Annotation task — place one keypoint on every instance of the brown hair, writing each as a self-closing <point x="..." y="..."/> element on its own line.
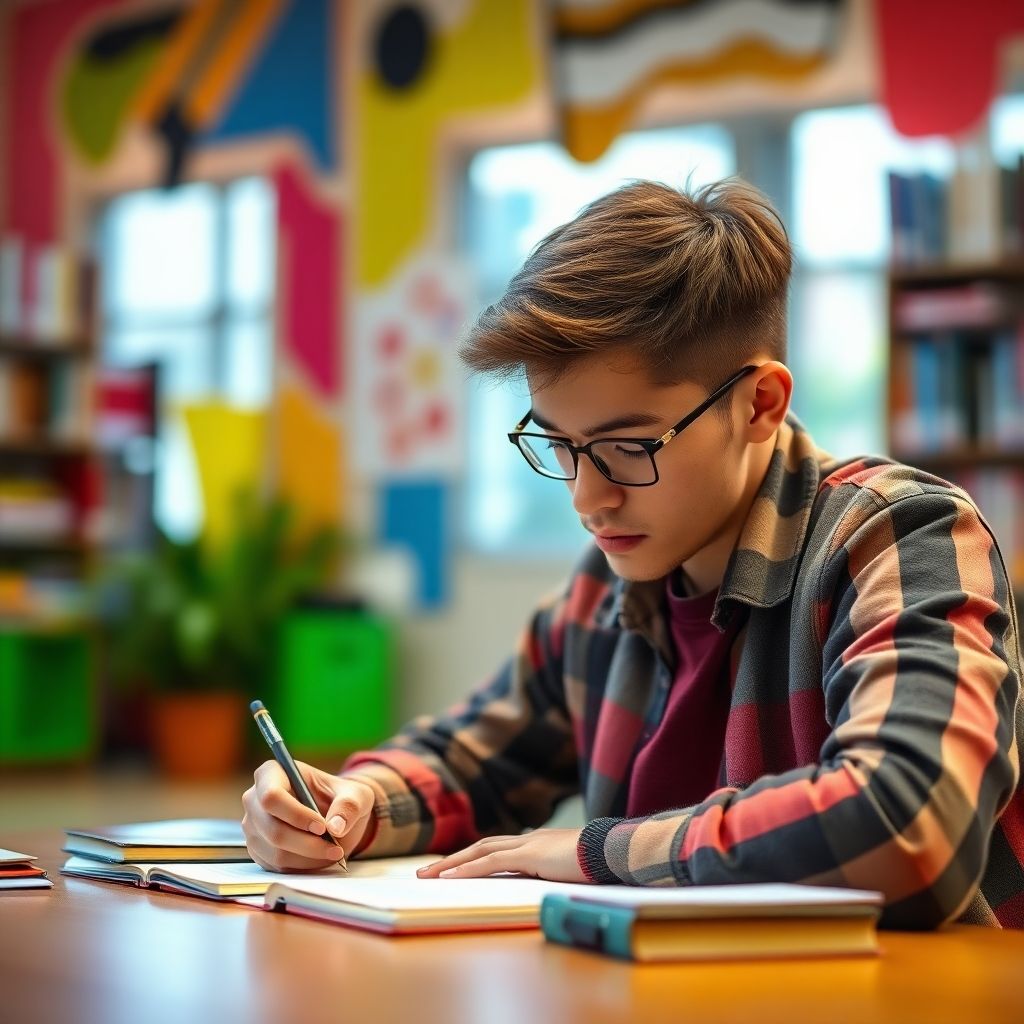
<point x="693" y="284"/>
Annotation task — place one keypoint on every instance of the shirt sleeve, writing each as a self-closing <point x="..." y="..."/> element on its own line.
<point x="921" y="677"/>
<point x="497" y="764"/>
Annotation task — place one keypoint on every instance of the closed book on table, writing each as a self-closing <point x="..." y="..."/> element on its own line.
<point x="154" y="842"/>
<point x="727" y="922"/>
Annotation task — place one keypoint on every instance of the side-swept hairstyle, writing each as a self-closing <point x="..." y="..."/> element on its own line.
<point x="692" y="284"/>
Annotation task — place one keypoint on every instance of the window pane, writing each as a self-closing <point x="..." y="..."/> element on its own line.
<point x="1008" y="129"/>
<point x="251" y="234"/>
<point x="160" y="252"/>
<point x="186" y="373"/>
<point x="189" y="286"/>
<point x="840" y="363"/>
<point x="841" y="159"/>
<point x="184" y="358"/>
<point x="510" y="507"/>
<point x="515" y="195"/>
<point x="248" y="363"/>
<point x="178" y="495"/>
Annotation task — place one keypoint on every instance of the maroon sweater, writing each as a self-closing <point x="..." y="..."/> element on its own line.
<point x="679" y="766"/>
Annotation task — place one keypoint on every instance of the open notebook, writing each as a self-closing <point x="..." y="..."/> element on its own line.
<point x="228" y="881"/>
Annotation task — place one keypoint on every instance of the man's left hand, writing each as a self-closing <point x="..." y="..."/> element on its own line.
<point x="544" y="853"/>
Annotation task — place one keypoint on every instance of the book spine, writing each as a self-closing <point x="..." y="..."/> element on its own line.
<point x="601" y="929"/>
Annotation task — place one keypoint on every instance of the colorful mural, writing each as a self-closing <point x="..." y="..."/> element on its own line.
<point x="608" y="57"/>
<point x="311" y="281"/>
<point x="420" y="75"/>
<point x="38" y="37"/>
<point x="215" y="71"/>
<point x="416" y="517"/>
<point x="940" y="71"/>
<point x="409" y="402"/>
<point x="310" y="459"/>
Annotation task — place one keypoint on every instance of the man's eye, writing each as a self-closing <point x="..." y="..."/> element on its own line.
<point x="631" y="451"/>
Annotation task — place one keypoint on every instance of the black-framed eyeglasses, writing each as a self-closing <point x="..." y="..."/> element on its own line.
<point x="628" y="461"/>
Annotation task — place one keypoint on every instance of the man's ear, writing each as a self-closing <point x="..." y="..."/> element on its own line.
<point x="767" y="394"/>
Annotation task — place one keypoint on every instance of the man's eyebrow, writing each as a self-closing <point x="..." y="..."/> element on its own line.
<point x="636" y="419"/>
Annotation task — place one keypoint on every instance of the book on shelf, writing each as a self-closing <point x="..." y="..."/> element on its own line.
<point x="40" y="402"/>
<point x="19" y="871"/>
<point x="12" y="258"/>
<point x="958" y="390"/>
<point x="980" y="304"/>
<point x="974" y="214"/>
<point x="721" y="922"/>
<point x="46" y="291"/>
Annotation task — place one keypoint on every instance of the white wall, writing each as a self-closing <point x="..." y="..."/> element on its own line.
<point x="444" y="655"/>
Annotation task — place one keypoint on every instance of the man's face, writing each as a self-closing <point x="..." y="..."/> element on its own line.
<point x="646" y="532"/>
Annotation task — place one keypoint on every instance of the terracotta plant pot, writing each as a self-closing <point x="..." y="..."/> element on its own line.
<point x="198" y="735"/>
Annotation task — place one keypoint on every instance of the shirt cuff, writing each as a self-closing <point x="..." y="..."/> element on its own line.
<point x="381" y="839"/>
<point x="590" y="851"/>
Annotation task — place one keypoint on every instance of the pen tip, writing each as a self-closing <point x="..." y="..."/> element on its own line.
<point x="256" y="705"/>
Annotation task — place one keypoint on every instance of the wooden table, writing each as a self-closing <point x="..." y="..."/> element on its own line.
<point x="92" y="951"/>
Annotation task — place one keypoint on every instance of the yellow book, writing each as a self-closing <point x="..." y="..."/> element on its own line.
<point x="722" y="922"/>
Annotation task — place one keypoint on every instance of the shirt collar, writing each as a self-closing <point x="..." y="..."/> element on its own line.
<point x="762" y="570"/>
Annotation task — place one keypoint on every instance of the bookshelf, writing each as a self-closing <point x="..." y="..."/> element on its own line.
<point x="48" y="466"/>
<point x="49" y="491"/>
<point x="956" y="384"/>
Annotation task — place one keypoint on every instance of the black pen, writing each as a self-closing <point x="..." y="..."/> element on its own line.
<point x="284" y="759"/>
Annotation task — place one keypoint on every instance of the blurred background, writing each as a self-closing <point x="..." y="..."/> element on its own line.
<point x="239" y="243"/>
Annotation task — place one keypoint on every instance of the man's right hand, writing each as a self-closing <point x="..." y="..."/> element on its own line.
<point x="283" y="834"/>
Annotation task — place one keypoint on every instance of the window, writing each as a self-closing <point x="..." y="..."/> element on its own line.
<point x="188" y="285"/>
<point x="516" y="194"/>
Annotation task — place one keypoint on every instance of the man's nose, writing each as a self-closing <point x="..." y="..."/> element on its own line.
<point x="592" y="490"/>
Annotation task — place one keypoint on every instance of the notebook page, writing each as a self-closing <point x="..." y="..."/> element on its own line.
<point x="501" y="892"/>
<point x="248" y="873"/>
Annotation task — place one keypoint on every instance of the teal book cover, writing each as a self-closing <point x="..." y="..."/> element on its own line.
<point x="592" y="926"/>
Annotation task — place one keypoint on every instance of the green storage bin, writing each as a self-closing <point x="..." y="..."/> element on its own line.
<point x="47" y="705"/>
<point x="333" y="692"/>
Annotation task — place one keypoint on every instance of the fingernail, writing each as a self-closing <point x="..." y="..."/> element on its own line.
<point x="317" y="827"/>
<point x="448" y="872"/>
<point x="337" y="824"/>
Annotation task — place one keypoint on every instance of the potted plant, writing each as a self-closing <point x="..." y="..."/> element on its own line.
<point x="194" y="624"/>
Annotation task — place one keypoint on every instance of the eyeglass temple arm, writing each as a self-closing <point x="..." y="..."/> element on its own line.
<point x="518" y="428"/>
<point x="705" y="405"/>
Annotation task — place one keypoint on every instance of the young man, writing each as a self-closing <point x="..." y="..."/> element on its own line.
<point x="770" y="665"/>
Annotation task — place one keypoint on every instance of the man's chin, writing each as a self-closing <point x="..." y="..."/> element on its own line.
<point x="635" y="570"/>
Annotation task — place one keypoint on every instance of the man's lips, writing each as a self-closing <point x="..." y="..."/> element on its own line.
<point x="618" y="543"/>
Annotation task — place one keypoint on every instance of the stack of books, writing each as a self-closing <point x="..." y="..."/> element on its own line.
<point x="17" y="871"/>
<point x="117" y="852"/>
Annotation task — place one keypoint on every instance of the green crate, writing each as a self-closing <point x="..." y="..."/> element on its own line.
<point x="47" y="705"/>
<point x="334" y="687"/>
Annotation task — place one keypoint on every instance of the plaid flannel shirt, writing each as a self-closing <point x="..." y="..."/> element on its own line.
<point x="875" y="730"/>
